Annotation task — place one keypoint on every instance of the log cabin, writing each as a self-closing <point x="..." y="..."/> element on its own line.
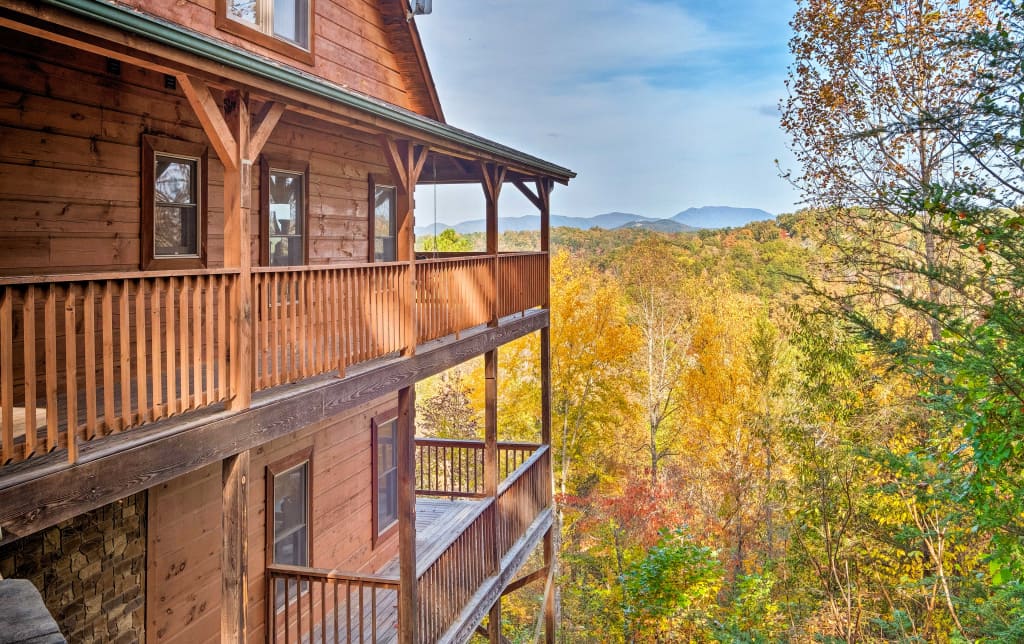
<point x="213" y="320"/>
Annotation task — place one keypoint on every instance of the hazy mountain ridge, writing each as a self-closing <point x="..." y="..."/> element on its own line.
<point x="686" y="221"/>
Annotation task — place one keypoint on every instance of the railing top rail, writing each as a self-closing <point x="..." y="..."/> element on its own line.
<point x="25" y="280"/>
<point x="422" y="565"/>
<point x="522" y="253"/>
<point x="336" y="575"/>
<point x="468" y="259"/>
<point x="313" y="268"/>
<point x="474" y="443"/>
<point x="521" y="470"/>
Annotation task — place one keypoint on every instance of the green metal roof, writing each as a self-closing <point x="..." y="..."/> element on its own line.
<point x="185" y="39"/>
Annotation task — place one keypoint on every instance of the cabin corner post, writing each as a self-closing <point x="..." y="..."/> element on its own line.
<point x="408" y="605"/>
<point x="234" y="555"/>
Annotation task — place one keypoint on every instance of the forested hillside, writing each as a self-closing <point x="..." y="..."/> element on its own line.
<point x="810" y="430"/>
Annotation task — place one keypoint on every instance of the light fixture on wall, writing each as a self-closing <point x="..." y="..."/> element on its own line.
<point x="420" y="7"/>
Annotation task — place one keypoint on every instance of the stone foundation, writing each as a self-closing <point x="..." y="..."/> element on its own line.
<point x="90" y="570"/>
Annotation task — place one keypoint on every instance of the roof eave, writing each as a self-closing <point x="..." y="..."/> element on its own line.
<point x="179" y="37"/>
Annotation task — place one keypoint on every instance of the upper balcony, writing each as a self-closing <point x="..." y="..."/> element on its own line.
<point x="87" y="356"/>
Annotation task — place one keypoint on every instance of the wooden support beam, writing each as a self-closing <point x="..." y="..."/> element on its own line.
<point x="549" y="586"/>
<point x="406" y="159"/>
<point x="493" y="179"/>
<point x="237" y="222"/>
<point x="528" y="193"/>
<point x="234" y="556"/>
<point x="491" y="423"/>
<point x="494" y="622"/>
<point x="229" y="129"/>
<point x="536" y="575"/>
<point x="406" y="453"/>
<point x="267" y="120"/>
<point x="545" y="386"/>
<point x="214" y="124"/>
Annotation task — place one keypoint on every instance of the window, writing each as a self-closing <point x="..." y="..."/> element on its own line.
<point x="289" y="508"/>
<point x="383" y="223"/>
<point x="385" y="474"/>
<point x="283" y="217"/>
<point x="281" y="25"/>
<point x="173" y="204"/>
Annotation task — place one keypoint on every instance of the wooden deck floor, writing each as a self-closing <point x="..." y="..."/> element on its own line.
<point x="438" y="523"/>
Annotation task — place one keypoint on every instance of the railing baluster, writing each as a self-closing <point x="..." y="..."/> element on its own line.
<point x="50" y="323"/>
<point x="109" y="384"/>
<point x="71" y="369"/>
<point x="89" y="313"/>
<point x="7" y="374"/>
<point x="141" y="386"/>
<point x="184" y="319"/>
<point x="29" y="318"/>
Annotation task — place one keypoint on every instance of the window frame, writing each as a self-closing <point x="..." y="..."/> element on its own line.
<point x="275" y="469"/>
<point x="371" y="231"/>
<point x="253" y="33"/>
<point x="268" y="164"/>
<point x="150" y="147"/>
<point x="380" y="533"/>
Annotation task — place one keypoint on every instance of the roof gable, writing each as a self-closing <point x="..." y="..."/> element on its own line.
<point x="410" y="57"/>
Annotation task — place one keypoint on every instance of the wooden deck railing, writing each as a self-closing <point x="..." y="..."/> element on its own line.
<point x="103" y="353"/>
<point x="522" y="497"/>
<point x="449" y="579"/>
<point x="84" y="356"/>
<point x="452" y="295"/>
<point x="522" y="278"/>
<point x="313" y="320"/>
<point x="319" y="605"/>
<point x="455" y="468"/>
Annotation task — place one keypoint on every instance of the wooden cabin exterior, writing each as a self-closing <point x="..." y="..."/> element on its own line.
<point x="213" y="319"/>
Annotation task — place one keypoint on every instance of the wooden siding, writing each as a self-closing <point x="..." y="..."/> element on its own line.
<point x="352" y="46"/>
<point x="183" y="595"/>
<point x="341" y="516"/>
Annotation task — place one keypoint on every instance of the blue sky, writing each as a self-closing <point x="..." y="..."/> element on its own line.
<point x="659" y="105"/>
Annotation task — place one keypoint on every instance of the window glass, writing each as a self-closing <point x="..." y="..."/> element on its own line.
<point x="175" y="207"/>
<point x="385" y="248"/>
<point x="285" y="19"/>
<point x="286" y="213"/>
<point x="291" y="523"/>
<point x="387" y="475"/>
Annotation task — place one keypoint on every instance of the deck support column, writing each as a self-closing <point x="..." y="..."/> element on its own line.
<point x="406" y="453"/>
<point x="493" y="179"/>
<point x="227" y="124"/>
<point x="494" y="622"/>
<point x="549" y="586"/>
<point x="406" y="160"/>
<point x="234" y="556"/>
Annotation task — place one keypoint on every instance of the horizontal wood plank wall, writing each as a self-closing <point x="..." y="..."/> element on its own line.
<point x="351" y="44"/>
<point x="69" y="163"/>
<point x="183" y="559"/>
<point x="341" y="518"/>
<point x="339" y="167"/>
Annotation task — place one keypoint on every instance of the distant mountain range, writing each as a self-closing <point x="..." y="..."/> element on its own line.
<point x="686" y="221"/>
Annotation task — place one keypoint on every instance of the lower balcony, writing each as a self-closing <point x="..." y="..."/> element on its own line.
<point x="468" y="547"/>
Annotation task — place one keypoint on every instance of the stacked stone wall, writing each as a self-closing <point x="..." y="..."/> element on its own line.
<point x="90" y="570"/>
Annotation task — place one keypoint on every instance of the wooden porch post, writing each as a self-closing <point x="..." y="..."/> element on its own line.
<point x="491" y="423"/>
<point x="493" y="178"/>
<point x="494" y="622"/>
<point x="236" y="144"/>
<point x="406" y="453"/>
<point x="549" y="588"/>
<point x="406" y="159"/>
